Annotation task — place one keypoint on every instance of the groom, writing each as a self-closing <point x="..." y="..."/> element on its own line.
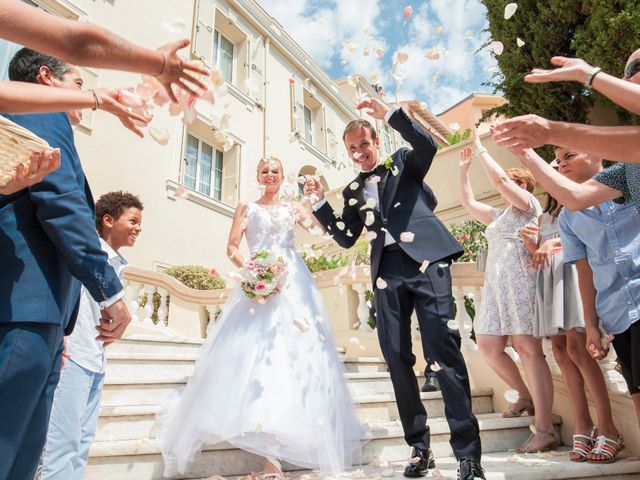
<point x="391" y="199"/>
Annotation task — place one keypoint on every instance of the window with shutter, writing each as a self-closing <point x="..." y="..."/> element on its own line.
<point x="203" y="31"/>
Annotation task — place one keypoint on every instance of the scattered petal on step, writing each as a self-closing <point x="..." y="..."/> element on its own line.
<point x="388" y="472"/>
<point x="511" y="395"/>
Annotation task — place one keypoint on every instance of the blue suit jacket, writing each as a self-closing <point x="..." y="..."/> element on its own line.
<point x="406" y="204"/>
<point x="48" y="241"/>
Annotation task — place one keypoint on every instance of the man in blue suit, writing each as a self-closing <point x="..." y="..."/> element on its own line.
<point x="48" y="248"/>
<point x="410" y="258"/>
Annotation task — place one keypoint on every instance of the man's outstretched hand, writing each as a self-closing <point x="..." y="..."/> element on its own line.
<point x="374" y="107"/>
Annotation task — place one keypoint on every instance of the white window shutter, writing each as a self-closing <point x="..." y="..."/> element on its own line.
<point x="203" y="29"/>
<point x="230" y="175"/>
<point x="332" y="137"/>
<point x="257" y="69"/>
<point x="297" y="106"/>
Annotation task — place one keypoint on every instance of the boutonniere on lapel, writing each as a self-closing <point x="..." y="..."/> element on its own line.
<point x="388" y="164"/>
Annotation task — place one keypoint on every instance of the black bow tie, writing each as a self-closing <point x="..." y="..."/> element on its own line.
<point x="364" y="175"/>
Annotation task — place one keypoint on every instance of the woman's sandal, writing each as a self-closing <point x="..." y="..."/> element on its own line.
<point x="551" y="445"/>
<point x="273" y="475"/>
<point x="608" y="448"/>
<point x="582" y="446"/>
<point x="511" y="412"/>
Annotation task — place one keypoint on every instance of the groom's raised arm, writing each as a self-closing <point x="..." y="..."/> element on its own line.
<point x="424" y="148"/>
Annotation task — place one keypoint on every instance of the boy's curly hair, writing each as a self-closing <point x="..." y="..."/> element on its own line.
<point x="114" y="203"/>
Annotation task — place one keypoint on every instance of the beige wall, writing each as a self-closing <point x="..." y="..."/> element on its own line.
<point x="470" y="110"/>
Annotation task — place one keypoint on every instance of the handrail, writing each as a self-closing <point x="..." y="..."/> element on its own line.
<point x="462" y="274"/>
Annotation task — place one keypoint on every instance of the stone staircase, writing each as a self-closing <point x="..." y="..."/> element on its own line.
<point x="143" y="371"/>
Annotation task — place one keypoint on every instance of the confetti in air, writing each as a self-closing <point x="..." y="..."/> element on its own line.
<point x="381" y="284"/>
<point x="510" y="10"/>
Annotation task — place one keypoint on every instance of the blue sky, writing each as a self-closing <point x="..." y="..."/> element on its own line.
<point x="338" y="33"/>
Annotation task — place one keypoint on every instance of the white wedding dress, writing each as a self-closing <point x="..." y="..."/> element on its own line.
<point x="268" y="379"/>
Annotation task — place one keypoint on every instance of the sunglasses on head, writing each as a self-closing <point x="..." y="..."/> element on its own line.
<point x="632" y="68"/>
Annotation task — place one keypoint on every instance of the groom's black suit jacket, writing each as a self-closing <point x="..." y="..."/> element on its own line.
<point x="406" y="203"/>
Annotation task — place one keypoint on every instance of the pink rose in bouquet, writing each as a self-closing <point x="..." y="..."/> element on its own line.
<point x="263" y="276"/>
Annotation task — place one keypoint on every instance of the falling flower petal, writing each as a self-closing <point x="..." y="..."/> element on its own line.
<point x="520" y="42"/>
<point x="407" y="12"/>
<point x="160" y="135"/>
<point x="468" y="34"/>
<point x="366" y="50"/>
<point x="352" y="201"/>
<point x="354" y="341"/>
<point x="455" y="126"/>
<point x="375" y="179"/>
<point x="356" y="155"/>
<point x="349" y="234"/>
<point x="177" y="26"/>
<point x="407" y="237"/>
<point x="369" y="219"/>
<point x="509" y="10"/>
<point x="379" y="52"/>
<point x="370" y="235"/>
<point x="375" y="462"/>
<point x="432" y="54"/>
<point x="389" y="472"/>
<point x="381" y="284"/>
<point x="511" y="396"/>
<point x="350" y="45"/>
<point x="453" y="324"/>
<point x="130" y="99"/>
<point x="340" y="225"/>
<point x="354" y="185"/>
<point x="252" y="85"/>
<point x="252" y="311"/>
<point x="435" y="77"/>
<point x="371" y="203"/>
<point x="181" y="192"/>
<point x="490" y="68"/>
<point x="394" y="171"/>
<point x="435" y="367"/>
<point x="439" y="30"/>
<point x="424" y="266"/>
<point x="351" y="81"/>
<point x="497" y="47"/>
<point x="258" y="427"/>
<point x="402" y="56"/>
<point x="397" y="205"/>
<point x="302" y="324"/>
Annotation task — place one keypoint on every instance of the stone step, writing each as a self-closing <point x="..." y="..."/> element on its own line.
<point x="142" y="343"/>
<point x="509" y="466"/>
<point x="147" y="364"/>
<point x="141" y="459"/>
<point x="139" y="421"/>
<point x="143" y="388"/>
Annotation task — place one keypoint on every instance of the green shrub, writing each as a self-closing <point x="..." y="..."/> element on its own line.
<point x="197" y="277"/>
<point x="470" y="235"/>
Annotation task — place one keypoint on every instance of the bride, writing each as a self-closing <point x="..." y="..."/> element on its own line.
<point x="268" y="380"/>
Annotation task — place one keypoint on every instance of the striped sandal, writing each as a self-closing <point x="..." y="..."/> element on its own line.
<point x="607" y="448"/>
<point x="582" y="446"/>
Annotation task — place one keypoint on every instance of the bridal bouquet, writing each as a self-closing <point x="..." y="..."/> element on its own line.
<point x="263" y="276"/>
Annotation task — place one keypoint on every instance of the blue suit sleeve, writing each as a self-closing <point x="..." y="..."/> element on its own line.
<point x="65" y="215"/>
<point x="424" y="147"/>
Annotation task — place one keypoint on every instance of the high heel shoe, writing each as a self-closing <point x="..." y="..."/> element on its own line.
<point x="513" y="411"/>
<point x="531" y="447"/>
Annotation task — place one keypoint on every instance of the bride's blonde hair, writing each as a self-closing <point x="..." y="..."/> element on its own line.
<point x="269" y="160"/>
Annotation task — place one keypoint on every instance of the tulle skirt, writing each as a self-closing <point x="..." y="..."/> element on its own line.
<point x="268" y="381"/>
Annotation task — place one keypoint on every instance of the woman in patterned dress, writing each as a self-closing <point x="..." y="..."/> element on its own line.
<point x="508" y="297"/>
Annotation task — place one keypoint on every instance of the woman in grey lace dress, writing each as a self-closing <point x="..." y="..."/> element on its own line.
<point x="508" y="296"/>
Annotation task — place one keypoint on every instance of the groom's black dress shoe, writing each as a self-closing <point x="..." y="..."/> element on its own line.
<point x="421" y="461"/>
<point x="470" y="470"/>
<point x="430" y="383"/>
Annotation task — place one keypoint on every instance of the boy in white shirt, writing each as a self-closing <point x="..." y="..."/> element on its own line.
<point x="76" y="403"/>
